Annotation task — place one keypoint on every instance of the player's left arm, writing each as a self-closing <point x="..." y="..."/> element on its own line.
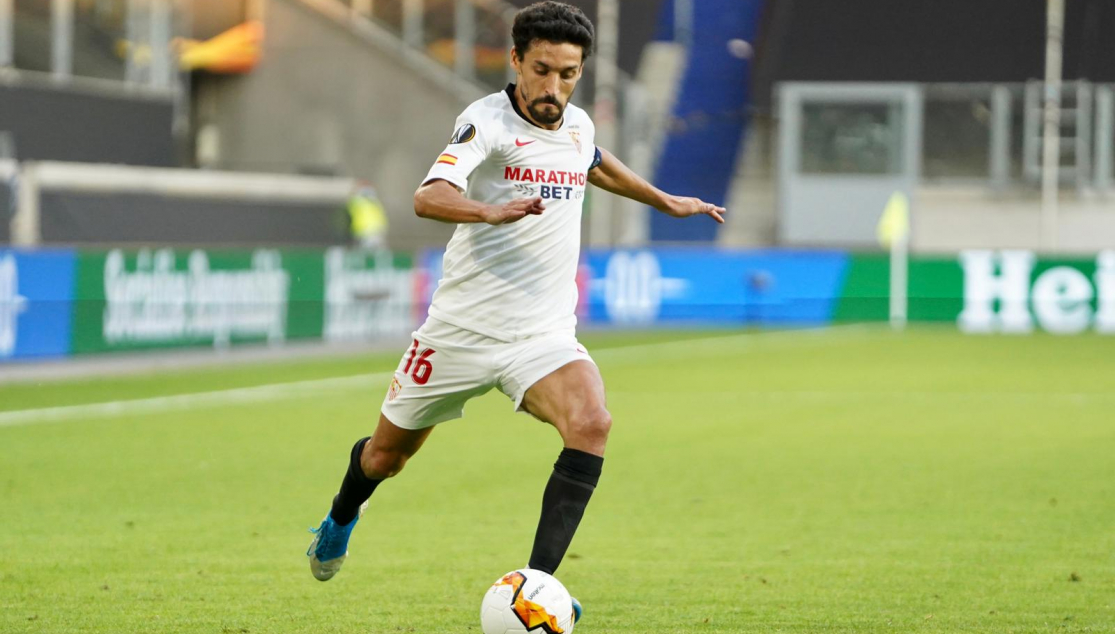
<point x="613" y="176"/>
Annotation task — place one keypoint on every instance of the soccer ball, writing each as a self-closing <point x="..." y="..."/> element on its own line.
<point x="526" y="601"/>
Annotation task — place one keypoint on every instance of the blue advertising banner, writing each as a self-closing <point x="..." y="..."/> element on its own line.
<point x="680" y="286"/>
<point x="697" y="286"/>
<point x="36" y="293"/>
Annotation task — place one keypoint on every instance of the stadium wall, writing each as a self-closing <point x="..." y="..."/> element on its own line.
<point x="61" y="302"/>
<point x="948" y="218"/>
<point x="325" y="101"/>
<point x="97" y="206"/>
<point x="48" y="122"/>
<point x="69" y="217"/>
<point x="8" y="172"/>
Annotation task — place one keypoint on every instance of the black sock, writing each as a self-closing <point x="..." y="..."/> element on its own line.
<point x="567" y="493"/>
<point x="356" y="488"/>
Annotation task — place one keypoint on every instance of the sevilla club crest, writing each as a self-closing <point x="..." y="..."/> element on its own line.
<point x="576" y="136"/>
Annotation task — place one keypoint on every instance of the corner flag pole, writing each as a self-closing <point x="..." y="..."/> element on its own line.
<point x="894" y="231"/>
<point x="899" y="282"/>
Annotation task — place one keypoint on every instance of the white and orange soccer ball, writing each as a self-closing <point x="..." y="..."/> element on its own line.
<point x="527" y="601"/>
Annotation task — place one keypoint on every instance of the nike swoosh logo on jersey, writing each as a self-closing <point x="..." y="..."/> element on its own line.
<point x="522" y="143"/>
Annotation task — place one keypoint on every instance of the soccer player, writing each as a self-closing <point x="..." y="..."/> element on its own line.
<point x="513" y="179"/>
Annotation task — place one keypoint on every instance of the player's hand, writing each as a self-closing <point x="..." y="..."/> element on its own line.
<point x="514" y="211"/>
<point x="684" y="206"/>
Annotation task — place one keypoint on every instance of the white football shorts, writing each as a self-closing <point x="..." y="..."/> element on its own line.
<point x="446" y="366"/>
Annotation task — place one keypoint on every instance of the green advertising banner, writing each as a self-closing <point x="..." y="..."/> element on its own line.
<point x="133" y="300"/>
<point x="985" y="291"/>
<point x="368" y="295"/>
<point x="935" y="291"/>
<point x="1015" y="292"/>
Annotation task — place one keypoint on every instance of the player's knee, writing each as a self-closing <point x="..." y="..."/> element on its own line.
<point x="381" y="464"/>
<point x="592" y="425"/>
<point x="601" y="423"/>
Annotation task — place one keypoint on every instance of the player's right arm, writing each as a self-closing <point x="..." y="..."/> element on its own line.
<point x="441" y="200"/>
<point x="440" y="197"/>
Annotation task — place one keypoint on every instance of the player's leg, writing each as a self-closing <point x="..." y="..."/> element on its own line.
<point x="371" y="461"/>
<point x="572" y="400"/>
<point x="436" y="376"/>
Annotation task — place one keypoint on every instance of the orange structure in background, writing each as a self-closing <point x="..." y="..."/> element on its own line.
<point x="235" y="51"/>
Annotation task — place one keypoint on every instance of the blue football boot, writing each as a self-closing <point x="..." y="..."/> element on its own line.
<point x="329" y="548"/>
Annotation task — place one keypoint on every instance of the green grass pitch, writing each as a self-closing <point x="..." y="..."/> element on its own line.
<point x="851" y="480"/>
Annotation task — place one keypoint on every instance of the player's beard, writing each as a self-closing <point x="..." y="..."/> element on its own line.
<point x="546" y="116"/>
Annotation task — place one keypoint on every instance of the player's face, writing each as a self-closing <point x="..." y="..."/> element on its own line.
<point x="547" y="76"/>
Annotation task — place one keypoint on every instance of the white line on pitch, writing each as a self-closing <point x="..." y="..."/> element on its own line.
<point x="301" y="389"/>
<point x="178" y="402"/>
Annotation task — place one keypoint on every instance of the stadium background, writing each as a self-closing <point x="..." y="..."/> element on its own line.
<point x="205" y="214"/>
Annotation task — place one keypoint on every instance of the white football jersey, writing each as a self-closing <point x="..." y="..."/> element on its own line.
<point x="515" y="280"/>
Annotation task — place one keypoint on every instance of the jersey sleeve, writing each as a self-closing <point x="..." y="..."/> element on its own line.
<point x="597" y="159"/>
<point x="468" y="147"/>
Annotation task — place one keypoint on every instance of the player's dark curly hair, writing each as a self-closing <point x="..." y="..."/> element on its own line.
<point x="555" y="22"/>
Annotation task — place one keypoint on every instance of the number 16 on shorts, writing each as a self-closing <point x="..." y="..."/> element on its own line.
<point x="417" y="364"/>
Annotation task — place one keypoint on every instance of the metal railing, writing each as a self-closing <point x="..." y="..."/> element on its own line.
<point x="990" y="134"/>
<point x="125" y="41"/>
<point x="472" y="39"/>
